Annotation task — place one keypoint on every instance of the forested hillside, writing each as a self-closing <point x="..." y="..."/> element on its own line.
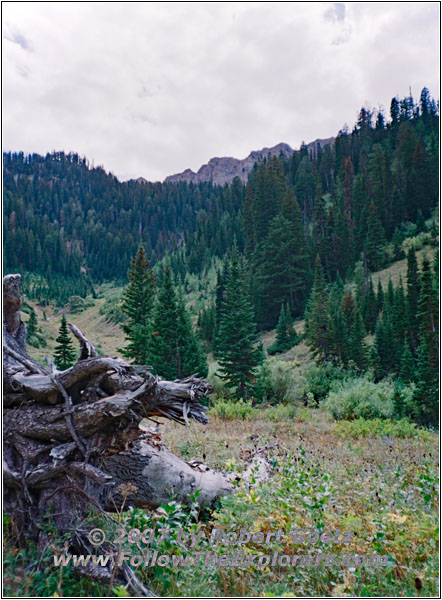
<point x="75" y="225"/>
<point x="301" y="238"/>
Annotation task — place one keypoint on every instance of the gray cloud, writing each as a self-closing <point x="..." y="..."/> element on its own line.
<point x="13" y="35"/>
<point x="149" y="89"/>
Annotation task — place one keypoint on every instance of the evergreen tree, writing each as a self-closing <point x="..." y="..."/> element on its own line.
<point x="386" y="346"/>
<point x="375" y="239"/>
<point x="164" y="344"/>
<point x="380" y="297"/>
<point x="64" y="353"/>
<point x="428" y="314"/>
<point x="426" y="395"/>
<point x="281" y="270"/>
<point x="137" y="304"/>
<point x="32" y="324"/>
<point x="285" y="333"/>
<point x="412" y="295"/>
<point x="239" y="349"/>
<point x="317" y="318"/>
<point x="370" y="308"/>
<point x="190" y="357"/>
<point x="408" y="365"/>
<point x="354" y="348"/>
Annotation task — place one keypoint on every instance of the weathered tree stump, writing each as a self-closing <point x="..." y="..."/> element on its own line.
<point x="72" y="438"/>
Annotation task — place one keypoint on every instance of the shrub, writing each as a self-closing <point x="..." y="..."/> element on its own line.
<point x="220" y="389"/>
<point x="318" y="380"/>
<point x="417" y="242"/>
<point x="282" y="412"/>
<point x="373" y="427"/>
<point x="359" y="397"/>
<point x="227" y="409"/>
<point x="278" y="382"/>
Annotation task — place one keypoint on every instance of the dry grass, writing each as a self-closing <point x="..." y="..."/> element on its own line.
<point x="399" y="268"/>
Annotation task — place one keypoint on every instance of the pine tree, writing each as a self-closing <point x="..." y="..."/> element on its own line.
<point x="317" y="317"/>
<point x="64" y="353"/>
<point x="370" y="308"/>
<point x="354" y="350"/>
<point x="380" y="297"/>
<point x="386" y="346"/>
<point x="426" y="395"/>
<point x="408" y="365"/>
<point x="428" y="314"/>
<point x="375" y="239"/>
<point x="281" y="269"/>
<point x="164" y="344"/>
<point x="190" y="357"/>
<point x="137" y="304"/>
<point x="412" y="296"/>
<point x="285" y="333"/>
<point x="239" y="349"/>
<point x="32" y="324"/>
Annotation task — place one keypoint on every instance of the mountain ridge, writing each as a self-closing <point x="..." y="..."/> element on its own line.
<point x="222" y="170"/>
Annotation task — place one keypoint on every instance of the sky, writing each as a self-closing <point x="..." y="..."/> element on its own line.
<point x="150" y="89"/>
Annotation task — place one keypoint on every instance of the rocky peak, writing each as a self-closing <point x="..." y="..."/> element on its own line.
<point x="220" y="171"/>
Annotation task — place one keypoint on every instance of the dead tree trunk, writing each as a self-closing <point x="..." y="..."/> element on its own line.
<point x="72" y="438"/>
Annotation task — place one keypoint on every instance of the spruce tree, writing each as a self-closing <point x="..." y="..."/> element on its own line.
<point x="32" y="324"/>
<point x="412" y="296"/>
<point x="64" y="353"/>
<point x="281" y="269"/>
<point x="386" y="345"/>
<point x="370" y="308"/>
<point x="380" y="297"/>
<point x="426" y="396"/>
<point x="164" y="344"/>
<point x="355" y="350"/>
<point x="239" y="349"/>
<point x="190" y="357"/>
<point x="33" y="339"/>
<point x="317" y="317"/>
<point x="408" y="365"/>
<point x="285" y="333"/>
<point x="375" y="239"/>
<point x="428" y="313"/>
<point x="137" y="304"/>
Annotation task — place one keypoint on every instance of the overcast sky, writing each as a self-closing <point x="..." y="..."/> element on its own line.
<point x="150" y="89"/>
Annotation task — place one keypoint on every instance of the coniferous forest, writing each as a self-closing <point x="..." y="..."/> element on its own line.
<point x="301" y="238"/>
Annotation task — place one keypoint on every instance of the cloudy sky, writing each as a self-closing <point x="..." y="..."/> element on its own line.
<point x="149" y="89"/>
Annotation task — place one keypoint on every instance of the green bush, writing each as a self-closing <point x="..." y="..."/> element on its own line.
<point x="78" y="304"/>
<point x="227" y="409"/>
<point x="359" y="397"/>
<point x="220" y="389"/>
<point x="282" y="412"/>
<point x="278" y="382"/>
<point x="374" y="427"/>
<point x="417" y="242"/>
<point x="318" y="380"/>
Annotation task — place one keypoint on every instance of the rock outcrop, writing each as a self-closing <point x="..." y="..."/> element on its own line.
<point x="220" y="171"/>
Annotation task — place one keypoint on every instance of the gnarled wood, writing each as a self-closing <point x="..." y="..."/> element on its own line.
<point x="73" y="437"/>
